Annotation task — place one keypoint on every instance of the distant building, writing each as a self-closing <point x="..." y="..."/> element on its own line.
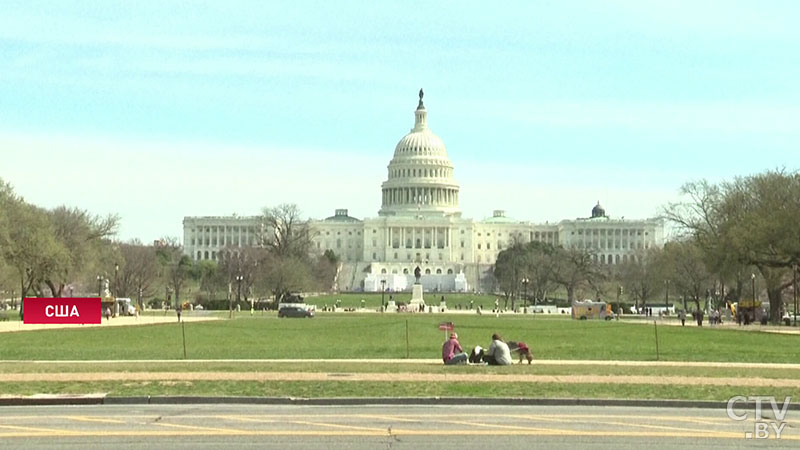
<point x="420" y="224"/>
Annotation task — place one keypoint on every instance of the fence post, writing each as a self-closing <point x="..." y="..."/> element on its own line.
<point x="655" y="327"/>
<point x="407" y="353"/>
<point x="183" y="332"/>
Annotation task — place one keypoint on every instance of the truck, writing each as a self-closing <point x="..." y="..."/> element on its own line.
<point x="588" y="309"/>
<point x="126" y="307"/>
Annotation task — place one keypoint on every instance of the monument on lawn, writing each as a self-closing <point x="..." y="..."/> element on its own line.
<point x="416" y="290"/>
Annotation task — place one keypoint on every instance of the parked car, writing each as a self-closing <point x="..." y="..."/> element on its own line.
<point x="295" y="311"/>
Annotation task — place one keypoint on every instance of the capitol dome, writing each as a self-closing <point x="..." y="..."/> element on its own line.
<point x="420" y="175"/>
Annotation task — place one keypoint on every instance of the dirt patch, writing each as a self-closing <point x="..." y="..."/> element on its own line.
<point x="179" y="377"/>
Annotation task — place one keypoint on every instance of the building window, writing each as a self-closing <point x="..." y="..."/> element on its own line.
<point x="438" y="271"/>
<point x="488" y="246"/>
<point x="405" y="271"/>
<point x="374" y="256"/>
<point x="383" y="271"/>
<point x="395" y="255"/>
<point x="462" y="244"/>
<point x="427" y="271"/>
<point x="479" y="246"/>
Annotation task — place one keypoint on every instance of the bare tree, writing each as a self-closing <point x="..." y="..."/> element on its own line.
<point x="285" y="234"/>
<point x="138" y="270"/>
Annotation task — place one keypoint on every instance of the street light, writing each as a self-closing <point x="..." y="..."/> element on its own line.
<point x="525" y="282"/>
<point x="116" y="280"/>
<point x="383" y="291"/>
<point x="794" y="291"/>
<point x="666" y="295"/>
<point x="753" y="279"/>
<point x="239" y="279"/>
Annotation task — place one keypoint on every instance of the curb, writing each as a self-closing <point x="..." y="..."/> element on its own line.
<point x="370" y="401"/>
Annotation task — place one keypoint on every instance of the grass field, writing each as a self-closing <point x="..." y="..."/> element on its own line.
<point x="372" y="300"/>
<point x="383" y="336"/>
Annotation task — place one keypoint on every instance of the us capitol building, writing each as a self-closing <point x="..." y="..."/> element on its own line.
<point x="420" y="224"/>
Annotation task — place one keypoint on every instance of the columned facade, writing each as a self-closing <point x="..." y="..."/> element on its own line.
<point x="419" y="224"/>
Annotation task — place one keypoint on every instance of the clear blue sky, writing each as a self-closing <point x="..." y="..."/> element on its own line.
<point x="159" y="110"/>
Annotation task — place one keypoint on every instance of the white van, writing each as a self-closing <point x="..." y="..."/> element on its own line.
<point x="126" y="307"/>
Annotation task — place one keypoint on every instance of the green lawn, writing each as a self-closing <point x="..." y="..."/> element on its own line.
<point x="332" y="389"/>
<point x="372" y="300"/>
<point x="382" y="336"/>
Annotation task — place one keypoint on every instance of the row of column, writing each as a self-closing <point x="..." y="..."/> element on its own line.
<point x="221" y="233"/>
<point x="401" y="234"/>
<point x="420" y="195"/>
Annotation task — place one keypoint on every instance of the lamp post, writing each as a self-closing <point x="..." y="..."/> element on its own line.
<point x="753" y="308"/>
<point x="116" y="280"/>
<point x="525" y="282"/>
<point x="140" y="299"/>
<point x="383" y="291"/>
<point x="666" y="295"/>
<point x="794" y="291"/>
<point x="239" y="279"/>
<point x="100" y="286"/>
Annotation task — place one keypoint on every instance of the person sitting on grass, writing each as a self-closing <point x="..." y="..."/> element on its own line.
<point x="452" y="353"/>
<point x="498" y="353"/>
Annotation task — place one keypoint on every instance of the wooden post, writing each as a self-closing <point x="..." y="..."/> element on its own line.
<point x="183" y="332"/>
<point x="407" y="352"/>
<point x="655" y="327"/>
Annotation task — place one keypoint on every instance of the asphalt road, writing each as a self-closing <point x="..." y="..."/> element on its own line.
<point x="371" y="427"/>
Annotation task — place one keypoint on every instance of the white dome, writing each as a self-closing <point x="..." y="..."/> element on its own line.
<point x="420" y="178"/>
<point x="420" y="143"/>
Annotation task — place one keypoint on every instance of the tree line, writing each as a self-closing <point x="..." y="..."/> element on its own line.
<point x="67" y="251"/>
<point x="735" y="239"/>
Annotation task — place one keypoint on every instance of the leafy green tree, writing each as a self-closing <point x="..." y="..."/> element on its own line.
<point x="80" y="236"/>
<point x="750" y="221"/>
<point x="209" y="277"/>
<point x="175" y="267"/>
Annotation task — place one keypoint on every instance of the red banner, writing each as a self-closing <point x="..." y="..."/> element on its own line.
<point x="446" y="326"/>
<point x="61" y="310"/>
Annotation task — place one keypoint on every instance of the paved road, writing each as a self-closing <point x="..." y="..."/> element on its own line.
<point x="370" y="427"/>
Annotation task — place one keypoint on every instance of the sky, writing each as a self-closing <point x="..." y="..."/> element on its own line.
<point x="159" y="110"/>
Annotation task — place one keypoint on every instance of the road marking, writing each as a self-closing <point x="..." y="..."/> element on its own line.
<point x="37" y="430"/>
<point x="93" y="419"/>
<point x="212" y="430"/>
<point x="333" y="425"/>
<point x="382" y="433"/>
<point x="232" y="417"/>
